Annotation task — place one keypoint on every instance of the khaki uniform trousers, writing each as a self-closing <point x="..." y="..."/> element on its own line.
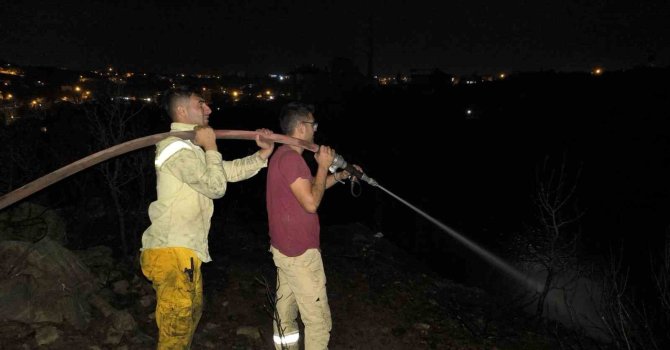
<point x="175" y="275"/>
<point x="301" y="286"/>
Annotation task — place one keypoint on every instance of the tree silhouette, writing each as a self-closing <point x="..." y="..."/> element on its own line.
<point x="550" y="243"/>
<point x="111" y="121"/>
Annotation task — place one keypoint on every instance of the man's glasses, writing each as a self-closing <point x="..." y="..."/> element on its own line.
<point x="315" y="125"/>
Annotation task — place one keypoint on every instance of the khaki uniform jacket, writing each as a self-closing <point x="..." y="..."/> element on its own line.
<point x="187" y="181"/>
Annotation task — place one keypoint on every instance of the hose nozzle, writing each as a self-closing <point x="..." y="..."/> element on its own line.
<point x="340" y="163"/>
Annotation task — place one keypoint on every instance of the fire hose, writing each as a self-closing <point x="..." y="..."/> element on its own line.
<point x="338" y="163"/>
<point x="132" y="145"/>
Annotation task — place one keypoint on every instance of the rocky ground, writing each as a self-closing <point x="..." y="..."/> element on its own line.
<point x="380" y="299"/>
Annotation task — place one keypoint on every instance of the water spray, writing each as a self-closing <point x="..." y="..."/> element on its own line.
<point x="340" y="163"/>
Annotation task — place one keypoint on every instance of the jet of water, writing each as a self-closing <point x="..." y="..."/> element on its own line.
<point x="488" y="256"/>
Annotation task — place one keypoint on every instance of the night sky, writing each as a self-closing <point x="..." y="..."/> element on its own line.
<point x="461" y="37"/>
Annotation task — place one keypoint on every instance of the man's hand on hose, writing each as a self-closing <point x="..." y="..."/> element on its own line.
<point x="264" y="143"/>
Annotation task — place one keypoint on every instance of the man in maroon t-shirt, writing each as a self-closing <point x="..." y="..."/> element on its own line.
<point x="293" y="197"/>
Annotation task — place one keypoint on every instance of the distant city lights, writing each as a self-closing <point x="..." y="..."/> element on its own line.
<point x="279" y="77"/>
<point x="81" y="87"/>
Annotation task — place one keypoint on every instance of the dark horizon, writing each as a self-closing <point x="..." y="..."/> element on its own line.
<point x="477" y="37"/>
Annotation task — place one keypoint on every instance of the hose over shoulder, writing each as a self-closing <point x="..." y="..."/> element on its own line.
<point x="129" y="146"/>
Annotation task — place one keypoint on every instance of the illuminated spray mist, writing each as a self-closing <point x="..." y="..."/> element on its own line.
<point x="340" y="163"/>
<point x="488" y="256"/>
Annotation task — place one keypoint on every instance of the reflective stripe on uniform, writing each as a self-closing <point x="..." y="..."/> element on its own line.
<point x="287" y="339"/>
<point x="170" y="150"/>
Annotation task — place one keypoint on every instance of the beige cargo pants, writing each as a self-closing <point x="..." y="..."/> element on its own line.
<point x="301" y="287"/>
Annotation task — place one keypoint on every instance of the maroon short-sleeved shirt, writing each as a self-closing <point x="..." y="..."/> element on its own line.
<point x="292" y="229"/>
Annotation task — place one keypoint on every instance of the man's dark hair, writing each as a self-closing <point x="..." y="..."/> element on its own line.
<point x="173" y="95"/>
<point x="292" y="113"/>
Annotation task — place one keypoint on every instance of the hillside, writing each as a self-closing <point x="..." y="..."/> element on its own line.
<point x="380" y="298"/>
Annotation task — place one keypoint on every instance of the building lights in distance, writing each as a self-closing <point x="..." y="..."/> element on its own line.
<point x="597" y="71"/>
<point x="9" y="70"/>
<point x="471" y="113"/>
<point x="265" y="95"/>
<point x="37" y="102"/>
<point x="391" y="80"/>
<point x="279" y="77"/>
<point x="234" y="94"/>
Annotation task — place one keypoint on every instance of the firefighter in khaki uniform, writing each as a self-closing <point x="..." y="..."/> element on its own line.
<point x="189" y="176"/>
